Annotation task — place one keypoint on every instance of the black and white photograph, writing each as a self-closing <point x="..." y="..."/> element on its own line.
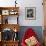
<point x="30" y="13"/>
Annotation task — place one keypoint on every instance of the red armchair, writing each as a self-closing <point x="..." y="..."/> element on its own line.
<point x="29" y="36"/>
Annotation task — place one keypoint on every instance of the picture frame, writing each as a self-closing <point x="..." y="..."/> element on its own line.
<point x="5" y="12"/>
<point x="13" y="12"/>
<point x="0" y="36"/>
<point x="30" y="13"/>
<point x="0" y="19"/>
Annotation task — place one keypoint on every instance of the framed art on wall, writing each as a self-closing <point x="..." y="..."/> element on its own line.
<point x="30" y="13"/>
<point x="0" y="19"/>
<point x="5" y="12"/>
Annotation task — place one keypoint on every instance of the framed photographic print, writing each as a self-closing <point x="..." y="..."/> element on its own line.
<point x="30" y="13"/>
<point x="5" y="12"/>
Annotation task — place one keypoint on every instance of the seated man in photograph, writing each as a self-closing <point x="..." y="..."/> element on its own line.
<point x="30" y="13"/>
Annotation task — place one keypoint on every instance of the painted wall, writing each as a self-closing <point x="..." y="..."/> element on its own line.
<point x="26" y="3"/>
<point x="39" y="13"/>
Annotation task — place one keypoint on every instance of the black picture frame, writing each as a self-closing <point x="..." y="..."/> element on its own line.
<point x="30" y="13"/>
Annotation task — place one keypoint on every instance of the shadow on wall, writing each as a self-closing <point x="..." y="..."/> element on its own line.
<point x="37" y="29"/>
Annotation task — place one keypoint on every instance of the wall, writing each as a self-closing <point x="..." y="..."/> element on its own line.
<point x="39" y="13"/>
<point x="27" y="3"/>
